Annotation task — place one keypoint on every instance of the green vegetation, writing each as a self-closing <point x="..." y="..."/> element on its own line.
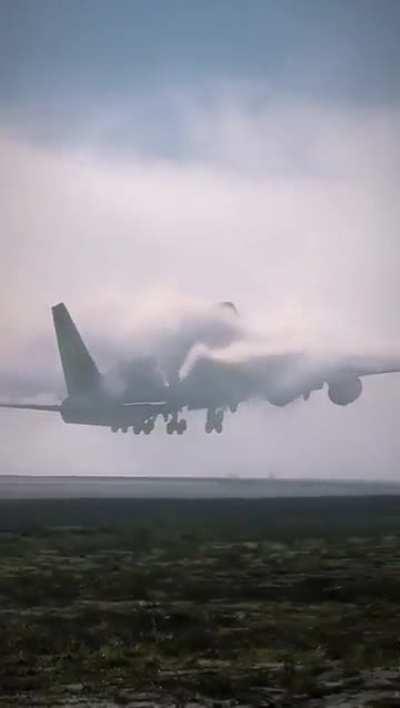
<point x="271" y="602"/>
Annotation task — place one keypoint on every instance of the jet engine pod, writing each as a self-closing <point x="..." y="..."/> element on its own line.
<point x="345" y="390"/>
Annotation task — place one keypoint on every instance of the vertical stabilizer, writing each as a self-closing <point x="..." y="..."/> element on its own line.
<point x="80" y="372"/>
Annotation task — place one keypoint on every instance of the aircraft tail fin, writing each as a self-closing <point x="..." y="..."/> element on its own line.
<point x="228" y="307"/>
<point x="80" y="372"/>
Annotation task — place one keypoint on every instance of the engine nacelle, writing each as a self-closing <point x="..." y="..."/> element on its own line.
<point x="345" y="390"/>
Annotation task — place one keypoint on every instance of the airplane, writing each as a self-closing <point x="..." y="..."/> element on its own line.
<point x="215" y="384"/>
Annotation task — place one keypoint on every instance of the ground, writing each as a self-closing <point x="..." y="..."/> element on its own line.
<point x="200" y="603"/>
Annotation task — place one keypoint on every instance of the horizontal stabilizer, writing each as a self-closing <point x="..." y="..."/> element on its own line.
<point x="32" y="407"/>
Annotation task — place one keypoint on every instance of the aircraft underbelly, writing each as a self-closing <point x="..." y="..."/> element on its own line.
<point x="107" y="417"/>
<point x="89" y="419"/>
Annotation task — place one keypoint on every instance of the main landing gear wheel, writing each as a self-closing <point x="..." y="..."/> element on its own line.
<point x="148" y="427"/>
<point x="176" y="426"/>
<point x="214" y="421"/>
<point x="181" y="426"/>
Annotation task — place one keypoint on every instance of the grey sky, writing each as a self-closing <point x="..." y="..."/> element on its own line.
<point x="154" y="152"/>
<point x="98" y="48"/>
<point x="64" y="62"/>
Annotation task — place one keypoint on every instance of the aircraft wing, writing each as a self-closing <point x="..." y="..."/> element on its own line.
<point x="57" y="408"/>
<point x="304" y="372"/>
<point x="32" y="407"/>
<point x="369" y="365"/>
<point x="299" y="375"/>
<point x="279" y="377"/>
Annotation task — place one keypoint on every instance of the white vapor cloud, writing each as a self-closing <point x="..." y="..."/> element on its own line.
<point x="289" y="210"/>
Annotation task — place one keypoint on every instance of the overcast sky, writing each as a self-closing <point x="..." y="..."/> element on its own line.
<point x="156" y="153"/>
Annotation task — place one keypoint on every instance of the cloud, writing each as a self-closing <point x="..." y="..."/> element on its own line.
<point x="288" y="209"/>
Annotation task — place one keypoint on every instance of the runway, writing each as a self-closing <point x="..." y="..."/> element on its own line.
<point x="54" y="487"/>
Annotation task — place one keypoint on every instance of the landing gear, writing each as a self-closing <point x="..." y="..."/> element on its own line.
<point x="145" y="427"/>
<point x="214" y="421"/>
<point x="176" y="426"/>
<point x="181" y="427"/>
<point x="148" y="426"/>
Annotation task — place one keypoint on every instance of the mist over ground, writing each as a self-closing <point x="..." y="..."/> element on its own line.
<point x="142" y="203"/>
